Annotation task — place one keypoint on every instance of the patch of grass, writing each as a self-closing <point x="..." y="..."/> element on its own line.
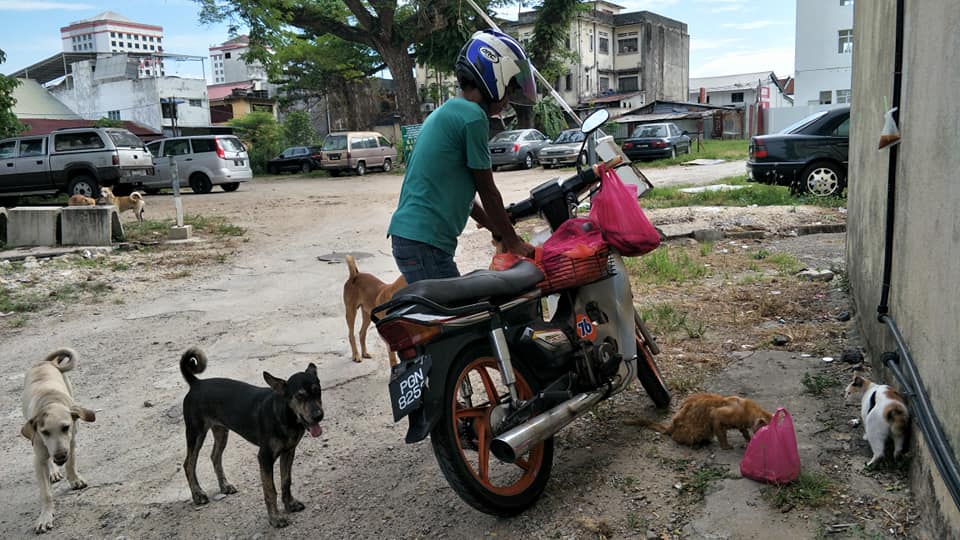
<point x="810" y="489"/>
<point x="761" y="254"/>
<point x="119" y="266"/>
<point x="729" y="150"/>
<point x="19" y="304"/>
<point x="684" y="383"/>
<point x="818" y="384"/>
<point x="706" y="248"/>
<point x="786" y="264"/>
<point x="697" y="482"/>
<point x="153" y="230"/>
<point x="666" y="265"/>
<point x="752" y="194"/>
<point x="635" y="522"/>
<point x="663" y="318"/>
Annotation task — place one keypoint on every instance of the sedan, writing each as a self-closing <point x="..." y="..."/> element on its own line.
<point x="295" y="158"/>
<point x="809" y="156"/>
<point x="516" y="147"/>
<point x="655" y="141"/>
<point x="565" y="149"/>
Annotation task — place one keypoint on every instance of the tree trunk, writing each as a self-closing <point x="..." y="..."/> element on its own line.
<point x="401" y="66"/>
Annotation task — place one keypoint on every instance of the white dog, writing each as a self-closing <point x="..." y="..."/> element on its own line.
<point x="883" y="412"/>
<point x="51" y="426"/>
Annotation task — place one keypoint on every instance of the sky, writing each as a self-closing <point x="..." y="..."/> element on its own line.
<point x="726" y="36"/>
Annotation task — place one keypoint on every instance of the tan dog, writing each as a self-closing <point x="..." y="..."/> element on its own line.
<point x="365" y="291"/>
<point x="703" y="416"/>
<point x="134" y="202"/>
<point x="883" y="412"/>
<point x="81" y="200"/>
<point x="51" y="425"/>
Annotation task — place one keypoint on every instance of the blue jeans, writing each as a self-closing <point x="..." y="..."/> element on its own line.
<point x="418" y="261"/>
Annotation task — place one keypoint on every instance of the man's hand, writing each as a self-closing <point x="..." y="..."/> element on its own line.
<point x="519" y="247"/>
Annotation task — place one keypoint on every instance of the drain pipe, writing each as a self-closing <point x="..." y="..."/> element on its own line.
<point x="940" y="449"/>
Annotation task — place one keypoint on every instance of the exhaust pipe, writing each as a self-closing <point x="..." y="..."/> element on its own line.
<point x="510" y="445"/>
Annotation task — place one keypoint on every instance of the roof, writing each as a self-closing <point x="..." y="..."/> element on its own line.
<point x="612" y="97"/>
<point x="660" y="117"/>
<point x="675" y="107"/>
<point x="105" y="16"/>
<point x="52" y="68"/>
<point x="34" y="101"/>
<point x="108" y="17"/>
<point x="220" y="91"/>
<point x="42" y="126"/>
<point x="730" y="82"/>
<point x="239" y="42"/>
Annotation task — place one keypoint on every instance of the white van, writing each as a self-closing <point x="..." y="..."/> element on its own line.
<point x="203" y="161"/>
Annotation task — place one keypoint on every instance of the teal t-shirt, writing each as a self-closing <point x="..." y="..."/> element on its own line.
<point x="438" y="188"/>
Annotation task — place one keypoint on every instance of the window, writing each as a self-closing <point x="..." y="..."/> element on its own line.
<point x="77" y="141"/>
<point x="31" y="147"/>
<point x="203" y="145"/>
<point x="604" y="45"/>
<point x="843" y="130"/>
<point x="628" y="84"/>
<point x="843" y="96"/>
<point x="825" y="97"/>
<point x="113" y="43"/>
<point x="569" y="82"/>
<point x="226" y="55"/>
<point x="627" y="43"/>
<point x="604" y="84"/>
<point x="113" y="115"/>
<point x="129" y="45"/>
<point x="736" y="97"/>
<point x="154" y="149"/>
<point x="591" y="42"/>
<point x="384" y="142"/>
<point x="8" y="149"/>
<point x="136" y="37"/>
<point x="845" y="40"/>
<point x="196" y="103"/>
<point x="176" y="147"/>
<point x="654" y="130"/>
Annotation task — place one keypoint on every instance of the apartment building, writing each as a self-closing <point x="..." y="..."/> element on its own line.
<point x="824" y="52"/>
<point x="109" y="33"/>
<point x="227" y="64"/>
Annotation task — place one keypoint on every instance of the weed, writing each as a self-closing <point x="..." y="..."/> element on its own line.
<point x="23" y="304"/>
<point x="810" y="489"/>
<point x="681" y="384"/>
<point x="663" y="317"/>
<point x="119" y="266"/>
<point x="635" y="522"/>
<point x="761" y="254"/>
<point x="695" y="330"/>
<point x="666" y="265"/>
<point x="706" y="248"/>
<point x="697" y="483"/>
<point x="786" y="264"/>
<point x="818" y="384"/>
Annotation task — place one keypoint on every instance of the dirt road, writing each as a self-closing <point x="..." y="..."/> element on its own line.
<point x="275" y="307"/>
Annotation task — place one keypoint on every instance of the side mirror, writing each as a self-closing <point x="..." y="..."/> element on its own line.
<point x="596" y="119"/>
<point x="684" y="132"/>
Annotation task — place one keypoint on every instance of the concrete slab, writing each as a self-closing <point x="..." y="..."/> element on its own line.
<point x="181" y="233"/>
<point x="33" y="226"/>
<point x="3" y="225"/>
<point x="89" y="225"/>
<point x="44" y="252"/>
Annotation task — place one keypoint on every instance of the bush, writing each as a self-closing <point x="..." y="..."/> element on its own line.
<point x="261" y="133"/>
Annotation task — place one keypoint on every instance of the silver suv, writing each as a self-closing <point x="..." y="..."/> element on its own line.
<point x="203" y="161"/>
<point x="74" y="161"/>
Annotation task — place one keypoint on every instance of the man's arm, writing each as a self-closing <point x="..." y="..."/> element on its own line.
<point x="480" y="216"/>
<point x="497" y="220"/>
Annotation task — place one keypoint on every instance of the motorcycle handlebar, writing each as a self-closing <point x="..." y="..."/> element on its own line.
<point x="548" y="191"/>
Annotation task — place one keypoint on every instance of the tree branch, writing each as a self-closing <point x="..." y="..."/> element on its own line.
<point x="360" y="11"/>
<point x="311" y="19"/>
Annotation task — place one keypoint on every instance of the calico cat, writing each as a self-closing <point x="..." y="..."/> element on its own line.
<point x="883" y="412"/>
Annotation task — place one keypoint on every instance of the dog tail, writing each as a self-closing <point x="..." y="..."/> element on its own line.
<point x="896" y="416"/>
<point x="136" y="196"/>
<point x="352" y="265"/>
<point x="64" y="359"/>
<point x="656" y="426"/>
<point x="192" y="363"/>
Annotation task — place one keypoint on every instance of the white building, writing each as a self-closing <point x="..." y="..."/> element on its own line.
<point x="824" y="52"/>
<point x="228" y="66"/>
<point x="109" y="33"/>
<point x="740" y="90"/>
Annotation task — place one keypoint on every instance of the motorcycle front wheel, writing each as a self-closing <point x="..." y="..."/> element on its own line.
<point x="647" y="371"/>
<point x="461" y="440"/>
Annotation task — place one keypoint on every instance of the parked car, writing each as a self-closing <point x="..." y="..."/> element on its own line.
<point x="74" y="161"/>
<point x="203" y="161"/>
<point x="295" y="158"/>
<point x="655" y="141"/>
<point x="809" y="156"/>
<point x="516" y="147"/>
<point x="356" y="151"/>
<point x="565" y="149"/>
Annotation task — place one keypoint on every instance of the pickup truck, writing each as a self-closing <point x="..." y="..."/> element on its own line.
<point x="73" y="161"/>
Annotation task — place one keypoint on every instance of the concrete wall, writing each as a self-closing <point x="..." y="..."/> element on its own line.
<point x="818" y="64"/>
<point x="666" y="62"/>
<point x="924" y="296"/>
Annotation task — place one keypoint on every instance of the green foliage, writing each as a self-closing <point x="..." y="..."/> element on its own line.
<point x="548" y="48"/>
<point x="752" y="194"/>
<point x="810" y="490"/>
<point x="9" y="125"/>
<point x="665" y="265"/>
<point x="730" y="150"/>
<point x="261" y="133"/>
<point x="819" y="384"/>
<point x="105" y="122"/>
<point x="297" y="130"/>
<point x="549" y="118"/>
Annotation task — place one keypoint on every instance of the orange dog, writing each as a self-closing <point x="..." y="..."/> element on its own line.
<point x="80" y="200"/>
<point x="365" y="291"/>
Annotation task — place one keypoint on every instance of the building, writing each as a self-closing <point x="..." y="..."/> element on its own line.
<point x="227" y="63"/>
<point x="824" y="52"/>
<point x="697" y="119"/>
<point x="235" y="100"/>
<point x="109" y="33"/>
<point x="913" y="273"/>
<point x="740" y="90"/>
<point x="640" y="54"/>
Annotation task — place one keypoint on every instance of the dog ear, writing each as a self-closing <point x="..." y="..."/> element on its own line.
<point x="311" y="370"/>
<point x="857" y="380"/>
<point x="82" y="413"/>
<point x="278" y="385"/>
<point x="28" y="430"/>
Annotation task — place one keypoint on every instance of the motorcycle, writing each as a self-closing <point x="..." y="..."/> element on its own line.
<point x="491" y="368"/>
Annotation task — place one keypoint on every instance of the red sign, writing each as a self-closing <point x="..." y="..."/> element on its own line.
<point x="586" y="329"/>
<point x="764" y="94"/>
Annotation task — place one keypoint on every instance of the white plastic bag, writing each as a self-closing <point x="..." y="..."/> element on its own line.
<point x="890" y="135"/>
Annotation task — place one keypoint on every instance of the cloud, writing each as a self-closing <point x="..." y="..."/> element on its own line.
<point x="728" y="8"/>
<point x="21" y="5"/>
<point x="779" y="59"/>
<point x="656" y="6"/>
<point x="752" y="25"/>
<point x="701" y="44"/>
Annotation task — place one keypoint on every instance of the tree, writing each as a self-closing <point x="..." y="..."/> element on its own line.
<point x="297" y="131"/>
<point x="105" y="122"/>
<point x="9" y="124"/>
<point x="261" y="133"/>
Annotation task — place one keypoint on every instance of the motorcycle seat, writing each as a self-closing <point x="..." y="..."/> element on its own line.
<point x="474" y="287"/>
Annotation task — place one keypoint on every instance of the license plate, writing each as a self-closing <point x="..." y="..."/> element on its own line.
<point x="333" y="156"/>
<point x="238" y="162"/>
<point x="642" y="146"/>
<point x="498" y="150"/>
<point x="553" y="162"/>
<point x="138" y="172"/>
<point x="406" y="389"/>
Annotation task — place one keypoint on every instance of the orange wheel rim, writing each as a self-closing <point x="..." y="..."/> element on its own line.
<point x="644" y="356"/>
<point x="505" y="479"/>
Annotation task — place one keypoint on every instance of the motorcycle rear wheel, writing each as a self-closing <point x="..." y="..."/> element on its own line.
<point x="461" y="440"/>
<point x="647" y="371"/>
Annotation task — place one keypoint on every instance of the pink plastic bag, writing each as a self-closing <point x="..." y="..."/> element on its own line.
<point x="617" y="212"/>
<point x="772" y="454"/>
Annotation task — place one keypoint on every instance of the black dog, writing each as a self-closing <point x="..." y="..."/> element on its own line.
<point x="272" y="418"/>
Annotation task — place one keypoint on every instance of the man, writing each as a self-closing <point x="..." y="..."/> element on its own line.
<point x="450" y="164"/>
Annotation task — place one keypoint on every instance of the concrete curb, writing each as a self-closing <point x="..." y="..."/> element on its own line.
<point x="714" y="235"/>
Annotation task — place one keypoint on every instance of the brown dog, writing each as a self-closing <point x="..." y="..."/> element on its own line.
<point x="80" y="200"/>
<point x="703" y="416"/>
<point x="365" y="291"/>
<point x="134" y="202"/>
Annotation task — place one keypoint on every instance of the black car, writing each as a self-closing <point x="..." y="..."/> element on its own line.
<point x="655" y="141"/>
<point x="295" y="158"/>
<point x="809" y="156"/>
